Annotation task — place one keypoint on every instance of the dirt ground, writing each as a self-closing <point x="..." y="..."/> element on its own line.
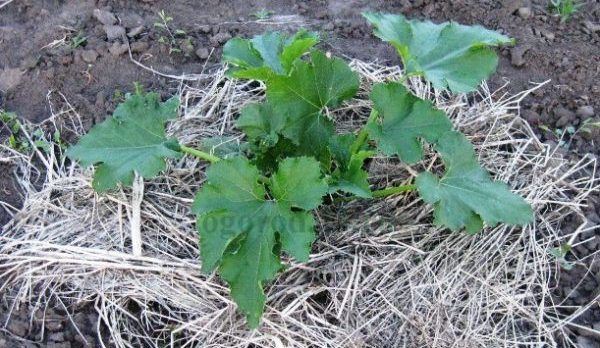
<point x="44" y="58"/>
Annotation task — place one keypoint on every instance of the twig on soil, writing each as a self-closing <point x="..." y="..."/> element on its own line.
<point x="5" y="3"/>
<point x="183" y="77"/>
<point x="137" y="195"/>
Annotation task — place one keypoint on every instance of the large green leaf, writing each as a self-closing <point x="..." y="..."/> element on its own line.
<point x="405" y="119"/>
<point x="313" y="85"/>
<point x="242" y="230"/>
<point x="449" y="55"/>
<point x="297" y="183"/>
<point x="267" y="55"/>
<point x="261" y="123"/>
<point x="302" y="96"/>
<point x="466" y="196"/>
<point x="132" y="140"/>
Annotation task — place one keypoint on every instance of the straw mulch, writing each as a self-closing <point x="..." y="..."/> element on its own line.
<point x="380" y="274"/>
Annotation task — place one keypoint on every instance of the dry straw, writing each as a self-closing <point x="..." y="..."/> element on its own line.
<point x="380" y="275"/>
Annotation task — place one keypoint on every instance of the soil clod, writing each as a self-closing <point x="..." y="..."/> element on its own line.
<point x="114" y="32"/>
<point x="105" y="17"/>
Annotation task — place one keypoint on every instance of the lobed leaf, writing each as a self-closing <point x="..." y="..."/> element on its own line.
<point x="301" y="97"/>
<point x="132" y="140"/>
<point x="349" y="176"/>
<point x="405" y="119"/>
<point x="313" y="85"/>
<point x="261" y="123"/>
<point x="242" y="230"/>
<point x="267" y="55"/>
<point x="466" y="196"/>
<point x="449" y="55"/>
<point x="298" y="184"/>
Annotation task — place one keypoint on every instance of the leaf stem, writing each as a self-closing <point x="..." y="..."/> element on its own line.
<point x="200" y="154"/>
<point x="264" y="180"/>
<point x="393" y="190"/>
<point x="363" y="135"/>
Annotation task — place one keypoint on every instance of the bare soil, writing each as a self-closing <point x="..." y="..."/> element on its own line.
<point x="40" y="59"/>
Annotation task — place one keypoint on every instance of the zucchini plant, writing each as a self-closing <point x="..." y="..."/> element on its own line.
<point x="256" y="206"/>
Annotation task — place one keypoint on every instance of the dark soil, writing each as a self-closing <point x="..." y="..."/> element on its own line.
<point x="49" y="328"/>
<point x="40" y="53"/>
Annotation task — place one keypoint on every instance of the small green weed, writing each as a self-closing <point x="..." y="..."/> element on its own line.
<point x="118" y="96"/>
<point x="588" y="125"/>
<point x="560" y="253"/>
<point x="175" y="39"/>
<point x="570" y="132"/>
<point x="263" y="14"/>
<point x="78" y="40"/>
<point x="564" y="8"/>
<point x="9" y="120"/>
<point x="18" y="141"/>
<point x="11" y="123"/>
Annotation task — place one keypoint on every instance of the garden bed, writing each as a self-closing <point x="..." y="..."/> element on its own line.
<point x="47" y="76"/>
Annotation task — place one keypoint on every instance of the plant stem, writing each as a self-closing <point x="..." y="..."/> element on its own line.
<point x="363" y="135"/>
<point x="264" y="180"/>
<point x="200" y="154"/>
<point x="212" y="159"/>
<point x="393" y="190"/>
